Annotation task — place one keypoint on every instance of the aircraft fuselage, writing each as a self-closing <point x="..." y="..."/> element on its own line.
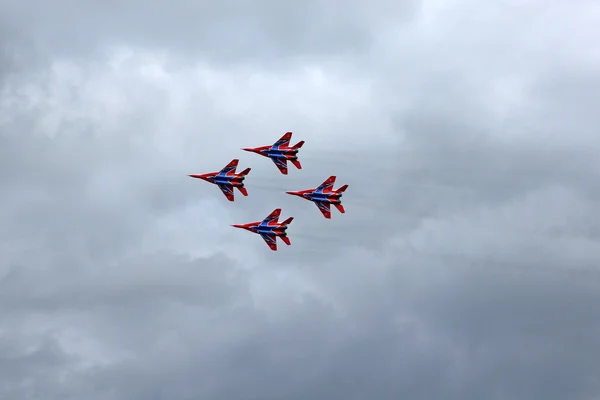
<point x="281" y="153"/>
<point x="270" y="230"/>
<point x="228" y="180"/>
<point x="325" y="197"/>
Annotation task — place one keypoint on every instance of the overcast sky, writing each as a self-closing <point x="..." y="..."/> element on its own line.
<point x="467" y="266"/>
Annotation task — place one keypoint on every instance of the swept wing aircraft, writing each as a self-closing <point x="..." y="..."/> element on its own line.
<point x="323" y="196"/>
<point x="227" y="179"/>
<point x="280" y="152"/>
<point x="269" y="229"/>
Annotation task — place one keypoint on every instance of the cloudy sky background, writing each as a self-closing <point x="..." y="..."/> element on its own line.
<point x="466" y="267"/>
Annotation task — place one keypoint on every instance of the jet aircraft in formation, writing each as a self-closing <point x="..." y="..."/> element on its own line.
<point x="323" y="196"/>
<point x="269" y="229"/>
<point x="280" y="152"/>
<point x="226" y="179"/>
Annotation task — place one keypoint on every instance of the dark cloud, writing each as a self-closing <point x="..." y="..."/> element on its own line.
<point x="464" y="268"/>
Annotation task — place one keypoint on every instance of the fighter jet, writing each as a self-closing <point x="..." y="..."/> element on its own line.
<point x="269" y="229"/>
<point x="227" y="179"/>
<point x="280" y="152"/>
<point x="324" y="196"/>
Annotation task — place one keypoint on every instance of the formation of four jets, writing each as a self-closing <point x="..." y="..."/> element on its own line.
<point x="280" y="153"/>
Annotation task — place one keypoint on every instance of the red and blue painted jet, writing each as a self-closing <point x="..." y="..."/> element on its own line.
<point x="270" y="229"/>
<point x="227" y="179"/>
<point x="324" y="196"/>
<point x="280" y="152"/>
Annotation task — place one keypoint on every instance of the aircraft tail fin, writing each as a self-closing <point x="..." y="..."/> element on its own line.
<point x="340" y="208"/>
<point x="245" y="172"/>
<point x="296" y="163"/>
<point x="285" y="240"/>
<point x="287" y="221"/>
<point x="298" y="145"/>
<point x="243" y="190"/>
<point x="342" y="189"/>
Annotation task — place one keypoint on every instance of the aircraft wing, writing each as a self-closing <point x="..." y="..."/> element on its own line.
<point x="229" y="169"/>
<point x="326" y="186"/>
<point x="281" y="163"/>
<point x="283" y="142"/>
<point x="324" y="208"/>
<point x="270" y="240"/>
<point x="273" y="218"/>
<point x="227" y="191"/>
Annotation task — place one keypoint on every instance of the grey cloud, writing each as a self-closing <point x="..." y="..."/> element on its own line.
<point x="569" y="117"/>
<point x="390" y="344"/>
<point x="153" y="275"/>
<point x="466" y="266"/>
<point x="506" y="316"/>
<point x="227" y="31"/>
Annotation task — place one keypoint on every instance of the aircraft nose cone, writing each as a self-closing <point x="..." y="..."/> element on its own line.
<point x="200" y="176"/>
